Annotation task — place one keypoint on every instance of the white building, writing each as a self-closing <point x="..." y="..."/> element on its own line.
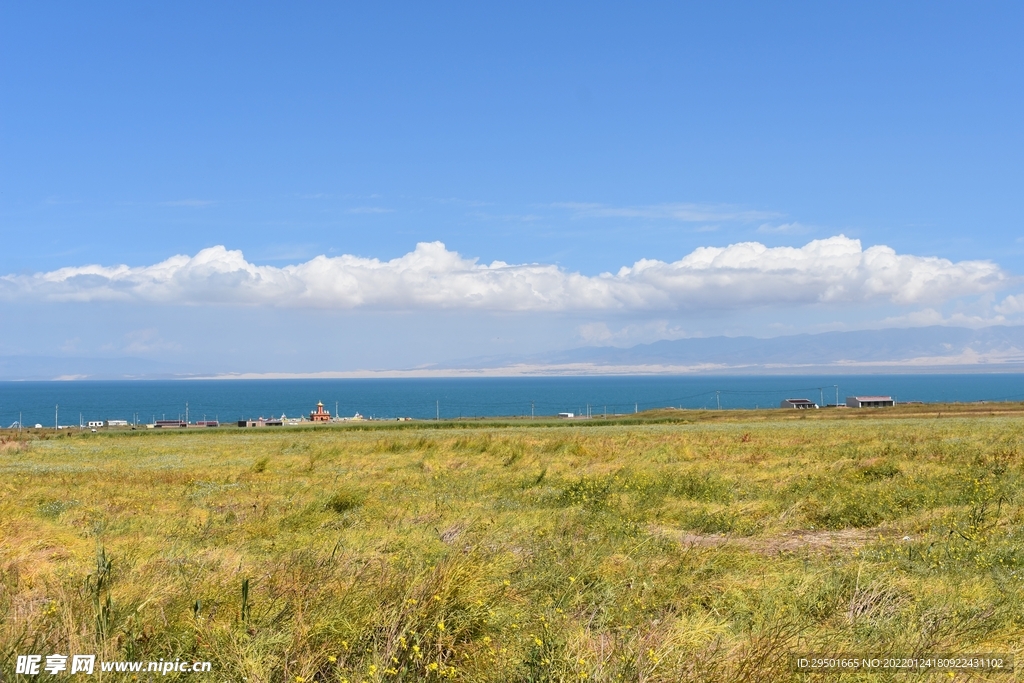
<point x="117" y="423"/>
<point x="95" y="423"/>
<point x="798" y="403"/>
<point x="869" y="402"/>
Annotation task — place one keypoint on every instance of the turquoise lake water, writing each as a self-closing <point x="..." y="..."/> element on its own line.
<point x="230" y="400"/>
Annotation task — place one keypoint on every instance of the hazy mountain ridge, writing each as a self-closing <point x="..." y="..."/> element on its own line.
<point x="24" y="367"/>
<point x="831" y="347"/>
<point x="892" y="350"/>
<point x="938" y="346"/>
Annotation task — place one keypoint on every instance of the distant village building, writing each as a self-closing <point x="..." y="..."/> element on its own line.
<point x="566" y="415"/>
<point x="117" y="423"/>
<point x="798" y="403"/>
<point x="95" y="423"/>
<point x="170" y="424"/>
<point x="869" y="402"/>
<point x="320" y="415"/>
<point x="261" y="422"/>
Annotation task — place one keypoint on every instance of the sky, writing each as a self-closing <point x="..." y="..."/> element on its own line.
<point x="291" y="187"/>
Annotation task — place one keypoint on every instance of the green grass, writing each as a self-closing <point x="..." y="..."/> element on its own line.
<point x="675" y="546"/>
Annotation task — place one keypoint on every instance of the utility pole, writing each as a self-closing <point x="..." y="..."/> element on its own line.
<point x="19" y="423"/>
<point x="56" y="423"/>
<point x="186" y="413"/>
<point x="636" y="408"/>
<point x="718" y="399"/>
<point x="821" y="396"/>
<point x="437" y="408"/>
<point x="837" y="394"/>
<point x="335" y="410"/>
<point x="532" y="415"/>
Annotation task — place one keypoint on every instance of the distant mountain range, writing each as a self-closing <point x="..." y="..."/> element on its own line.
<point x="890" y="350"/>
<point x="918" y="349"/>
<point x="69" y="367"/>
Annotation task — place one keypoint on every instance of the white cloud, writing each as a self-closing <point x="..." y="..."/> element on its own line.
<point x="147" y="341"/>
<point x="370" y="209"/>
<point x="506" y="217"/>
<point x="687" y="213"/>
<point x="929" y="316"/>
<point x="594" y="333"/>
<point x="1011" y="304"/>
<point x="598" y="333"/>
<point x="836" y="270"/>
<point x="191" y="203"/>
<point x="784" y="228"/>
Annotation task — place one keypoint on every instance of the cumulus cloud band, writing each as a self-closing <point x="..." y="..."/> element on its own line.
<point x="749" y="274"/>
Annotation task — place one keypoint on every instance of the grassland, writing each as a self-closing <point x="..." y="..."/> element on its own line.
<point x="672" y="547"/>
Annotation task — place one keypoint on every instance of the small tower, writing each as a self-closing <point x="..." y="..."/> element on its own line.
<point x="320" y="415"/>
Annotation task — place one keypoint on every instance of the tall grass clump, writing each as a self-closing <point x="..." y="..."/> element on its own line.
<point x="345" y="499"/>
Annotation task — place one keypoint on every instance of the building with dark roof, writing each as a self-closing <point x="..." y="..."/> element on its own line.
<point x="869" y="402"/>
<point x="798" y="403"/>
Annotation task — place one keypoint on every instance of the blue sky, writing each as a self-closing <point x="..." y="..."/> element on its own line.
<point x="584" y="137"/>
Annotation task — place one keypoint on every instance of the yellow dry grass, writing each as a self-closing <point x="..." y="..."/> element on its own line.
<point x="673" y="547"/>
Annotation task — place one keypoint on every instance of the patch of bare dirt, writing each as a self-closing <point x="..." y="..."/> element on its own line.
<point x="449" y="535"/>
<point x="12" y="445"/>
<point x="789" y="542"/>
